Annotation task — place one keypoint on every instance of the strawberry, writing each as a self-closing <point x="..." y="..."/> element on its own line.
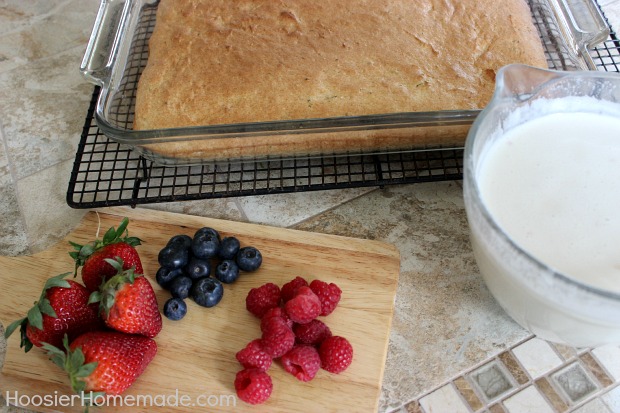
<point x="103" y="361"/>
<point x="61" y="309"/>
<point x="91" y="257"/>
<point x="127" y="302"/>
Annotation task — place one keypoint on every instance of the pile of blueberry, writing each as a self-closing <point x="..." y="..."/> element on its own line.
<point x="196" y="267"/>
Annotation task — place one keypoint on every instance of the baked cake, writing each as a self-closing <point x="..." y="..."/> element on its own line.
<point x="215" y="62"/>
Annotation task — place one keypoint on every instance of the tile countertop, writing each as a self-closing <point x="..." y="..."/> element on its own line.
<point x="451" y="347"/>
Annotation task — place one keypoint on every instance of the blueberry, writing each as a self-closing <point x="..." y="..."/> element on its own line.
<point x="227" y="271"/>
<point x="249" y="259"/>
<point x="182" y="240"/>
<point x="175" y="308"/>
<point x="205" y="244"/>
<point x="207" y="292"/>
<point x="197" y="268"/>
<point x="164" y="276"/>
<point x="181" y="286"/>
<point x="228" y="248"/>
<point x="173" y="256"/>
<point x="208" y="230"/>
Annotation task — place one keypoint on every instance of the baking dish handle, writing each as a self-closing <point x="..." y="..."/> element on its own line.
<point x="583" y="24"/>
<point x="104" y="40"/>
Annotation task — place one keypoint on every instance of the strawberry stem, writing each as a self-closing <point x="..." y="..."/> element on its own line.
<point x="112" y="236"/>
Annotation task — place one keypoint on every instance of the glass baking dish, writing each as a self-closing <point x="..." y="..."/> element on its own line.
<point x="118" y="51"/>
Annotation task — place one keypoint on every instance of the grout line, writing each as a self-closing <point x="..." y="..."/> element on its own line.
<point x="371" y="189"/>
<point x="9" y="160"/>
<point x="244" y="216"/>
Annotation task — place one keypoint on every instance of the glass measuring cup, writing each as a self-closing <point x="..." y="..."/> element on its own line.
<point x="549" y="303"/>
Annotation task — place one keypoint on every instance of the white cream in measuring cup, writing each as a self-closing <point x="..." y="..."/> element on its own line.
<point x="553" y="184"/>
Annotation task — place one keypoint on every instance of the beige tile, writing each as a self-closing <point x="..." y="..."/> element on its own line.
<point x="225" y="208"/>
<point x="42" y="31"/>
<point x="444" y="399"/>
<point x="537" y="357"/>
<point x="609" y="357"/>
<point x="16" y="14"/>
<point x="513" y="367"/>
<point x="612" y="399"/>
<point x="593" y="406"/>
<point x="413" y="407"/>
<point x="468" y="393"/>
<point x="42" y="111"/>
<point x="13" y="239"/>
<point x="528" y="400"/>
<point x="497" y="408"/>
<point x="553" y="397"/>
<point x="42" y="201"/>
<point x="6" y="177"/>
<point x="596" y="369"/>
<point x="566" y="352"/>
<point x="284" y="210"/>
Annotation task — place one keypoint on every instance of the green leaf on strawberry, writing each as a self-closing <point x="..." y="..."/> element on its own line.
<point x="73" y="362"/>
<point x="112" y="236"/>
<point x="46" y="308"/>
<point x="107" y="293"/>
<point x="34" y="316"/>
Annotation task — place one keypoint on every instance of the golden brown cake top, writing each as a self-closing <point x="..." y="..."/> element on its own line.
<point x="223" y="61"/>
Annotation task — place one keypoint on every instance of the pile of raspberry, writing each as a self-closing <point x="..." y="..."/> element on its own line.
<point x="292" y="333"/>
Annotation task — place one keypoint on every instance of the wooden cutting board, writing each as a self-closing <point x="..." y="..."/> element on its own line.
<point x="195" y="364"/>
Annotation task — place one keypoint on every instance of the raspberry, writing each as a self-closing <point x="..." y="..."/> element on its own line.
<point x="253" y="385"/>
<point x="275" y="312"/>
<point x="290" y="288"/>
<point x="336" y="354"/>
<point x="304" y="307"/>
<point x="303" y="362"/>
<point x="278" y="338"/>
<point x="329" y="294"/>
<point x="253" y="355"/>
<point x="261" y="299"/>
<point x="312" y="333"/>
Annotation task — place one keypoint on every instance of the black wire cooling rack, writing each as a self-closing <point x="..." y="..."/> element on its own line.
<point x="106" y="173"/>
